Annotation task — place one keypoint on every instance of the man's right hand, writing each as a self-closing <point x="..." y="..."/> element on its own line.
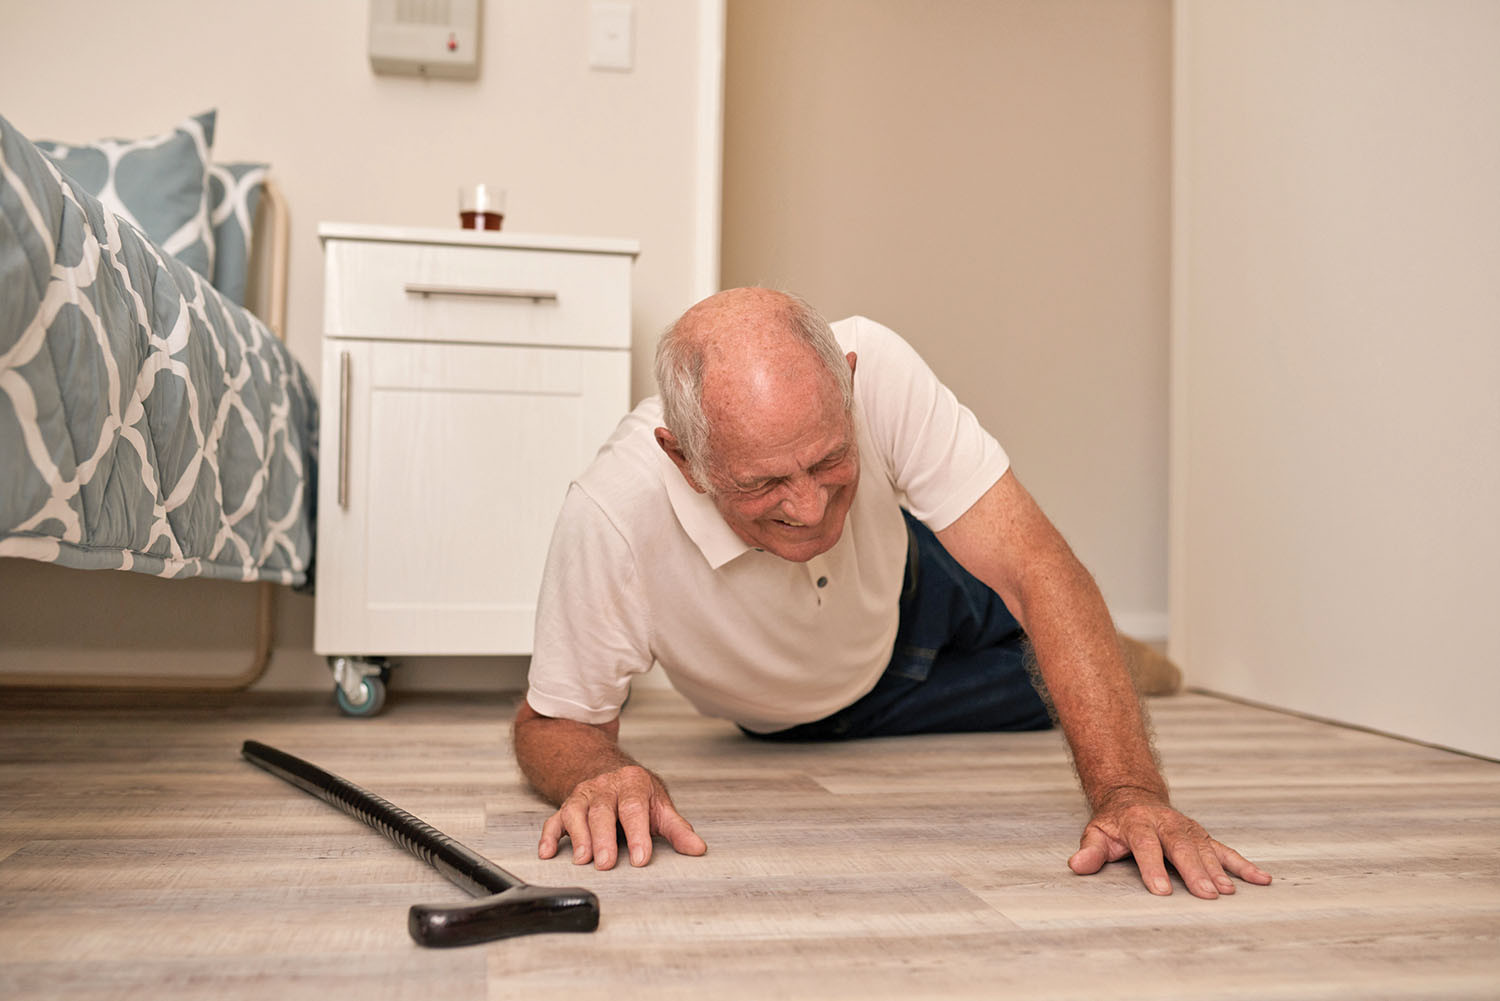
<point x="580" y="767"/>
<point x="630" y="795"/>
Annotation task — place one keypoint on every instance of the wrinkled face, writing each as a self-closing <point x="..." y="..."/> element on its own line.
<point x="787" y="488"/>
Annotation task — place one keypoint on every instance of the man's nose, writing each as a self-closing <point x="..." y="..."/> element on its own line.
<point x="806" y="501"/>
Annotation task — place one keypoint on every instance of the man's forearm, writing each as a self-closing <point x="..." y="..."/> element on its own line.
<point x="1081" y="663"/>
<point x="556" y="755"/>
<point x="1006" y="541"/>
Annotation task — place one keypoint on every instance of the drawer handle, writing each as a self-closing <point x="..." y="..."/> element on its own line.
<point x="344" y="389"/>
<point x="535" y="295"/>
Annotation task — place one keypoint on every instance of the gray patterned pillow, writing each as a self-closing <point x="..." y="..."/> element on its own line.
<point x="233" y="193"/>
<point x="158" y="184"/>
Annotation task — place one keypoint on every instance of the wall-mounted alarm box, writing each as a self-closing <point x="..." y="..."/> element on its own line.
<point x="425" y="37"/>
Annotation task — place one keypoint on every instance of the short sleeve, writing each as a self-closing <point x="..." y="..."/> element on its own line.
<point x="938" y="455"/>
<point x="592" y="629"/>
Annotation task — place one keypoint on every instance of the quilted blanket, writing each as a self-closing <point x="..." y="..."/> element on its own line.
<point x="146" y="422"/>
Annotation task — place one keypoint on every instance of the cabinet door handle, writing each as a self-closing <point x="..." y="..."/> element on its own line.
<point x="535" y="295"/>
<point x="344" y="430"/>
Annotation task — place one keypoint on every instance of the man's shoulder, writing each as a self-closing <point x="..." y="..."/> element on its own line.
<point x="888" y="367"/>
<point x="624" y="479"/>
<point x="876" y="344"/>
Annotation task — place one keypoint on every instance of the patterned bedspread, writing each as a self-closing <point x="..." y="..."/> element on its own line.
<point x="146" y="423"/>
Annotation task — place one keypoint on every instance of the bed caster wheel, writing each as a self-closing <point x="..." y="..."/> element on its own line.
<point x="359" y="684"/>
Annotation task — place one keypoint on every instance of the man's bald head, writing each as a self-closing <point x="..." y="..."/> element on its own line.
<point x="735" y="350"/>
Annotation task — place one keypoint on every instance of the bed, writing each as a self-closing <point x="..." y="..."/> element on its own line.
<point x="149" y="422"/>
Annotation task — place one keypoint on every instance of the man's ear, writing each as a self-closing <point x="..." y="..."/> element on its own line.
<point x="852" y="358"/>
<point x="668" y="442"/>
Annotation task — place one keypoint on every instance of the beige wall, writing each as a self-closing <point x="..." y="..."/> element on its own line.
<point x="1336" y="431"/>
<point x="581" y="152"/>
<point x="990" y="179"/>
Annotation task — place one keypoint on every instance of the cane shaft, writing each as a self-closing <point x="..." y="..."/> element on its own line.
<point x="462" y="866"/>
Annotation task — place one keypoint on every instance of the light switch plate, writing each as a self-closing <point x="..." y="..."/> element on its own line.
<point x="612" y="35"/>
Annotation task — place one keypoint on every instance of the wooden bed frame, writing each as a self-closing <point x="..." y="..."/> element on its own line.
<point x="268" y="292"/>
<point x="279" y="232"/>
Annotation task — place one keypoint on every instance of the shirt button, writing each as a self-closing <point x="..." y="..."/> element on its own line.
<point x="822" y="581"/>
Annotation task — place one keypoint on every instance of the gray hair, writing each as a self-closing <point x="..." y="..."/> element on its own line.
<point x="679" y="376"/>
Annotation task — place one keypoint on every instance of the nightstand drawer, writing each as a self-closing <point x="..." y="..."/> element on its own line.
<point x="476" y="294"/>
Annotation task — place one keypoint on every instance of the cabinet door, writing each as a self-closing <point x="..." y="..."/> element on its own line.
<point x="458" y="457"/>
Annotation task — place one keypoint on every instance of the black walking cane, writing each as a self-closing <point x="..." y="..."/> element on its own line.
<point x="510" y="906"/>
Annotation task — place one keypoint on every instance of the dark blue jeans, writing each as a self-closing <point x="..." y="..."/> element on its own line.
<point x="959" y="663"/>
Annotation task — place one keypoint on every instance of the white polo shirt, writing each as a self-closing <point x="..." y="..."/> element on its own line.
<point x="642" y="569"/>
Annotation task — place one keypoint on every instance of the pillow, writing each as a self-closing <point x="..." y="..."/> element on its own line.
<point x="233" y="193"/>
<point x="158" y="184"/>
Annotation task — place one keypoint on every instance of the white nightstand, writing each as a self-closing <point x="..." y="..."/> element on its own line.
<point x="467" y="378"/>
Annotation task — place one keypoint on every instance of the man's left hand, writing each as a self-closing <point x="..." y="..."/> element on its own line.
<point x="1156" y="834"/>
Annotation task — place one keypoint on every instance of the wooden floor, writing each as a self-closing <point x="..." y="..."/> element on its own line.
<point x="140" y="857"/>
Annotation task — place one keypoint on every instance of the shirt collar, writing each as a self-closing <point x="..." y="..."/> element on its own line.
<point x="699" y="518"/>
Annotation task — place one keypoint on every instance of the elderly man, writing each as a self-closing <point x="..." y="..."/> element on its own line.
<point x="817" y="541"/>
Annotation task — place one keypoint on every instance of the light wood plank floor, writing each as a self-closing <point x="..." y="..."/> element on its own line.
<point x="140" y="857"/>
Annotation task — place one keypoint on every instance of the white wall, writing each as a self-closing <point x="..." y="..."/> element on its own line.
<point x="1336" y="370"/>
<point x="581" y="151"/>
